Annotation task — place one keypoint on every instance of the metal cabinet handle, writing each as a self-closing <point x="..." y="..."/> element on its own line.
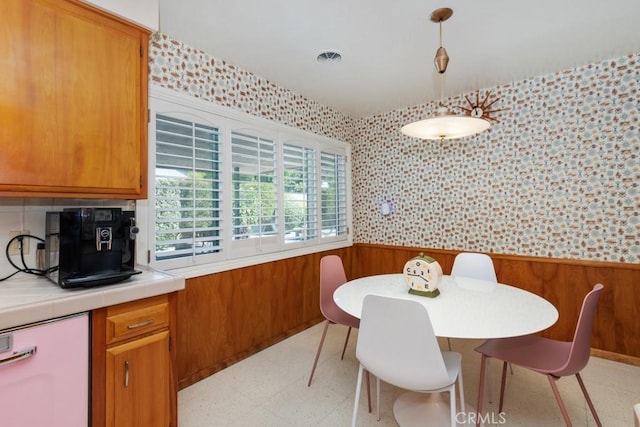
<point x="140" y="325"/>
<point x="126" y="373"/>
<point x="18" y="356"/>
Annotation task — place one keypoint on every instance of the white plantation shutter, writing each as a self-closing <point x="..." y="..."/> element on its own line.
<point x="333" y="188"/>
<point x="228" y="190"/>
<point x="188" y="220"/>
<point x="300" y="193"/>
<point x="253" y="192"/>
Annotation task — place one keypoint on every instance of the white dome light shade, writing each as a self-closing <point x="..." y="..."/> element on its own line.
<point x="445" y="126"/>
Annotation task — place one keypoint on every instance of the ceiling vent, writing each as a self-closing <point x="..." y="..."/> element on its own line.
<point x="329" y="56"/>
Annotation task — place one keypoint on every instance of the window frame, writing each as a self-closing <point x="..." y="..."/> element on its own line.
<point x="227" y="120"/>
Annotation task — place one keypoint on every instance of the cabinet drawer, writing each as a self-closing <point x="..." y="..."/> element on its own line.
<point x="137" y="322"/>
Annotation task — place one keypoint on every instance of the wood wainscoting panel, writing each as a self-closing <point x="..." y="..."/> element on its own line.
<point x="227" y="316"/>
<point x="562" y="282"/>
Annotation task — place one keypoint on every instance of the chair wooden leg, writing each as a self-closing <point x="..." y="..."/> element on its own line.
<point x="315" y="362"/>
<point x="369" y="390"/>
<point x="378" y="398"/>
<point x="449" y="343"/>
<point x="502" y="384"/>
<point x="556" y="393"/>
<point x="586" y="396"/>
<point x="489" y="382"/>
<point x="346" y="341"/>
<point x="483" y="363"/>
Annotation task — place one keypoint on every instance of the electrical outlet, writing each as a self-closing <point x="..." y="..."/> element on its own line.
<point x="15" y="247"/>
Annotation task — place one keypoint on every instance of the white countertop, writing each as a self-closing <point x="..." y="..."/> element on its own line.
<point x="31" y="299"/>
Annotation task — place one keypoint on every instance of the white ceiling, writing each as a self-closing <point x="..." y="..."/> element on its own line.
<point x="388" y="46"/>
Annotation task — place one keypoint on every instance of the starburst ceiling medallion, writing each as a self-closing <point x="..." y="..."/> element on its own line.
<point x="482" y="108"/>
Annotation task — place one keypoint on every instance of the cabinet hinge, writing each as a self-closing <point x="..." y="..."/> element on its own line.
<point x="141" y="52"/>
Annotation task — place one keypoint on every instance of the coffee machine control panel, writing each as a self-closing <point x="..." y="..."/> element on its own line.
<point x="104" y="238"/>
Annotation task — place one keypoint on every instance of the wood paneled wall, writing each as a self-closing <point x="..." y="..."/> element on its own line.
<point x="225" y="317"/>
<point x="562" y="282"/>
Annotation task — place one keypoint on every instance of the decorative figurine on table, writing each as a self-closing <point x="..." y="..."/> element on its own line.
<point x="423" y="275"/>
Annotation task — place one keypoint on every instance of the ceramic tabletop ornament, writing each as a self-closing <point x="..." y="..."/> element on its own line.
<point x="423" y="275"/>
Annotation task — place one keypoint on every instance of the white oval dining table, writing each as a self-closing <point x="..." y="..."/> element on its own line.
<point x="466" y="308"/>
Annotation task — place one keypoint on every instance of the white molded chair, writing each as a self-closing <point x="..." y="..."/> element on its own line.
<point x="636" y="414"/>
<point x="474" y="265"/>
<point x="396" y="343"/>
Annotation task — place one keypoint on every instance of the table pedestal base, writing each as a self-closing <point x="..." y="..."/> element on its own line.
<point x="428" y="409"/>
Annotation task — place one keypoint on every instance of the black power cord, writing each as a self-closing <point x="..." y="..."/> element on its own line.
<point x="24" y="269"/>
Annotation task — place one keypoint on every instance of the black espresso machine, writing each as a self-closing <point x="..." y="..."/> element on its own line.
<point x="87" y="247"/>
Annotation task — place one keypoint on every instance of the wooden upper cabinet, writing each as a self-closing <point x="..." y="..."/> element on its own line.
<point x="73" y="102"/>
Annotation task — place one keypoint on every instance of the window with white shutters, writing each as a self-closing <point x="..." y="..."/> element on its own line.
<point x="333" y="189"/>
<point x="227" y="189"/>
<point x="187" y="189"/>
<point x="254" y="196"/>
<point x="300" y="193"/>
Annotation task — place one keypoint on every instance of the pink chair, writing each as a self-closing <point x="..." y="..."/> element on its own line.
<point x="553" y="358"/>
<point x="332" y="275"/>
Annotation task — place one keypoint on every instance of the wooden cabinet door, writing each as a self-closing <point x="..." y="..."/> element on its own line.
<point x="138" y="383"/>
<point x="73" y="101"/>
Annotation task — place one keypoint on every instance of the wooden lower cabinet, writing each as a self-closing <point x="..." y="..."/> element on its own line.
<point x="138" y="382"/>
<point x="133" y="380"/>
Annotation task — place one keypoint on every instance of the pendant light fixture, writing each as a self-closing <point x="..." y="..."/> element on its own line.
<point x="445" y="124"/>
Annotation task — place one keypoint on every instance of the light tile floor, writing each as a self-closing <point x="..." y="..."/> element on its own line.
<point x="270" y="389"/>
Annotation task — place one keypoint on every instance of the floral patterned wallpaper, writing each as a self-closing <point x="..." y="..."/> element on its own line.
<point x="175" y="65"/>
<point x="558" y="176"/>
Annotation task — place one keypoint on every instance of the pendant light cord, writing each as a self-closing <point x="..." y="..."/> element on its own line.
<point x="442" y="82"/>
<point x="442" y="79"/>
